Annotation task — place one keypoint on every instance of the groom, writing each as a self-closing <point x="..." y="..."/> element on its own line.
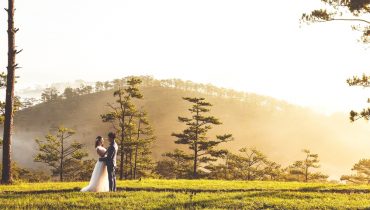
<point x="110" y="161"/>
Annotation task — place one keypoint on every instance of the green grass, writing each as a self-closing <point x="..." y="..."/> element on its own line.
<point x="188" y="194"/>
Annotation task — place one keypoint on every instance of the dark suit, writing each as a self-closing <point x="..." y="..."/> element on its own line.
<point x="110" y="161"/>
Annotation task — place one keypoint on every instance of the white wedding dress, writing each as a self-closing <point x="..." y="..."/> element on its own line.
<point x="99" y="179"/>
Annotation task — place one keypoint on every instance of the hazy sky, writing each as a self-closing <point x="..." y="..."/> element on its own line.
<point x="255" y="46"/>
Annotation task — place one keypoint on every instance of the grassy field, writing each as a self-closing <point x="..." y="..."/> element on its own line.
<point x="188" y="194"/>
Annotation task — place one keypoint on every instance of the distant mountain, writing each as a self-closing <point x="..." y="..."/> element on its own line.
<point x="279" y="129"/>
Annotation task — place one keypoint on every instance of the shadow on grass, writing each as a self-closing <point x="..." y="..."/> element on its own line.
<point x="42" y="191"/>
<point x="216" y="203"/>
<point x="194" y="191"/>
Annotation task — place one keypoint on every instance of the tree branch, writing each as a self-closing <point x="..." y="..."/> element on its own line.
<point x="345" y="19"/>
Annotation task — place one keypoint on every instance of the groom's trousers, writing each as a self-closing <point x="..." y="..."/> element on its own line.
<point x="112" y="178"/>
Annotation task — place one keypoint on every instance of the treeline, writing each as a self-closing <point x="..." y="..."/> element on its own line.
<point x="52" y="93"/>
<point x="134" y="132"/>
<point x="249" y="164"/>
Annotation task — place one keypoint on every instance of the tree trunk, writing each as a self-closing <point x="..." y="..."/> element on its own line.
<point x="61" y="159"/>
<point x="135" y="161"/>
<point x="306" y="169"/>
<point x="122" y="159"/>
<point x="9" y="101"/>
<point x="195" y="175"/>
<point x="131" y="165"/>
<point x="226" y="166"/>
<point x="136" y="146"/>
<point x="126" y="162"/>
<point x="306" y="175"/>
<point x="123" y="110"/>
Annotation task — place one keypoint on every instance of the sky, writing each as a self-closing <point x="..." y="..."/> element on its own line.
<point x="253" y="46"/>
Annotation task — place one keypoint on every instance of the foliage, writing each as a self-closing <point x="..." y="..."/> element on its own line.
<point x="69" y="93"/>
<point x="178" y="84"/>
<point x="363" y="81"/>
<point x="300" y="170"/>
<point x="354" y="11"/>
<point x="80" y="170"/>
<point x="177" y="165"/>
<point x="50" y="94"/>
<point x="84" y="89"/>
<point x="73" y="92"/>
<point x="362" y="175"/>
<point x="107" y="85"/>
<point x="64" y="158"/>
<point x="27" y="175"/>
<point x="133" y="129"/>
<point x="195" y="135"/>
<point x="166" y="169"/>
<point x="140" y="147"/>
<point x="249" y="164"/>
<point x="18" y="105"/>
<point x="99" y="86"/>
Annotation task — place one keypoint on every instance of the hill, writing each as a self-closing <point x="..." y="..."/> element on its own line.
<point x="279" y="129"/>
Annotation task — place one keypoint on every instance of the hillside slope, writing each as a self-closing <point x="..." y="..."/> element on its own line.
<point x="279" y="129"/>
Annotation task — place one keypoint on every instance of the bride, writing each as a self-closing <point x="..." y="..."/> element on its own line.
<point x="99" y="179"/>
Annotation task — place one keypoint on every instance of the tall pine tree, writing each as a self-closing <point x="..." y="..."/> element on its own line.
<point x="9" y="100"/>
<point x="142" y="145"/>
<point x="121" y="117"/>
<point x="195" y="135"/>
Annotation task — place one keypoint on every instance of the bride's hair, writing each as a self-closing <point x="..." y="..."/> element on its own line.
<point x="98" y="141"/>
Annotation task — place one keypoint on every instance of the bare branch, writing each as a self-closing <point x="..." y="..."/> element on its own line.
<point x="347" y="19"/>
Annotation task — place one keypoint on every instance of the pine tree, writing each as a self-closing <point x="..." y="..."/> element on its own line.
<point x="142" y="145"/>
<point x="69" y="93"/>
<point x="99" y="86"/>
<point x="60" y="155"/>
<point x="181" y="163"/>
<point x="165" y="169"/>
<point x="311" y="161"/>
<point x="9" y="101"/>
<point x="49" y="94"/>
<point x="250" y="163"/>
<point x="352" y="11"/>
<point x="300" y="170"/>
<point x="121" y="117"/>
<point x="195" y="135"/>
<point x="362" y="175"/>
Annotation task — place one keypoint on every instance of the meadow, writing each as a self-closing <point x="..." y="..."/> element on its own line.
<point x="187" y="194"/>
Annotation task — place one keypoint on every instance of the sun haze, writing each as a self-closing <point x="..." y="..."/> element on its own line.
<point x="256" y="46"/>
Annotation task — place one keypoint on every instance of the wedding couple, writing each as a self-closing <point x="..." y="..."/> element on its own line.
<point x="103" y="178"/>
